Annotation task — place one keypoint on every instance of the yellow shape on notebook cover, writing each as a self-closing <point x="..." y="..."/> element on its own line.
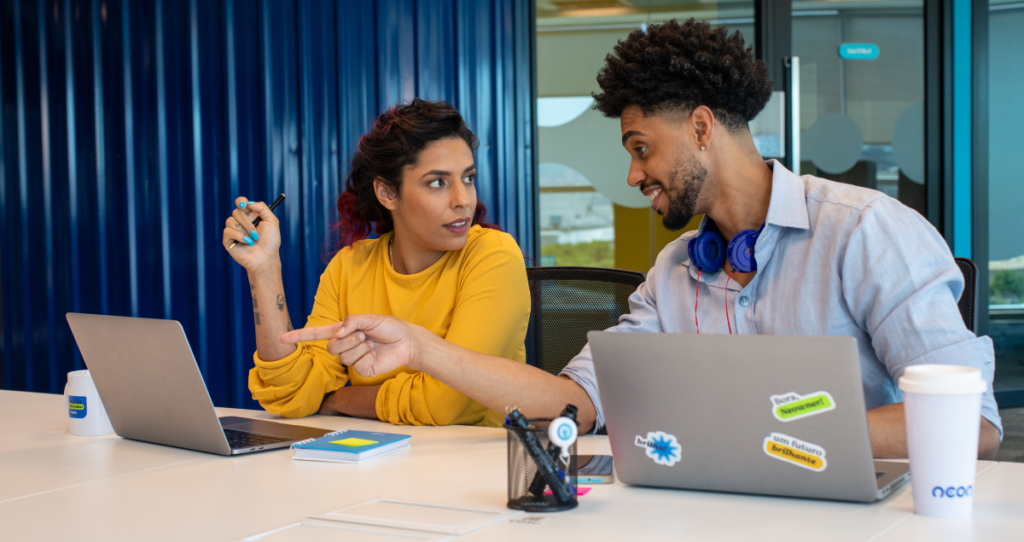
<point x="353" y="442"/>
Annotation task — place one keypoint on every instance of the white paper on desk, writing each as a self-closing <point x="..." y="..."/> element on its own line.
<point x="433" y="518"/>
<point x="319" y="531"/>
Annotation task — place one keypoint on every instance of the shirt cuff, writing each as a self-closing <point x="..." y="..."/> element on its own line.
<point x="978" y="353"/>
<point x="276" y="365"/>
<point x="380" y="406"/>
<point x="585" y="379"/>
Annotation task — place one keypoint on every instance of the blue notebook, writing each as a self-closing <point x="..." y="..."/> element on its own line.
<point x="349" y="446"/>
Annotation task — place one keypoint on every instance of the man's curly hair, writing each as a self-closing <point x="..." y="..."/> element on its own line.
<point x="677" y="67"/>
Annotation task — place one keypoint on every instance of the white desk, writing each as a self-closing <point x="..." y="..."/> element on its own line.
<point x="54" y="486"/>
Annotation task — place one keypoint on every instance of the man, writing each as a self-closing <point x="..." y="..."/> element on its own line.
<point x="831" y="259"/>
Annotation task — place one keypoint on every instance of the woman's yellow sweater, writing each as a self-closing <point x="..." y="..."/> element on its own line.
<point x="476" y="297"/>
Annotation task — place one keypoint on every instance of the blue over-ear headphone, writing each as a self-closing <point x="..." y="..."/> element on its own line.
<point x="708" y="251"/>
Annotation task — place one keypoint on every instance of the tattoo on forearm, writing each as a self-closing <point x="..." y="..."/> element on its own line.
<point x="251" y="287"/>
<point x="290" y="328"/>
<point x="257" y="316"/>
<point x="280" y="302"/>
<point x="254" y="302"/>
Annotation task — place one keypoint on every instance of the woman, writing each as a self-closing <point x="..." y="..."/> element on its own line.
<point x="437" y="264"/>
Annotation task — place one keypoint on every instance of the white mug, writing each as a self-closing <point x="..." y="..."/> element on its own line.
<point x="86" y="415"/>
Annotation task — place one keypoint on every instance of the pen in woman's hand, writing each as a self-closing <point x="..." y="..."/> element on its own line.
<point x="273" y="205"/>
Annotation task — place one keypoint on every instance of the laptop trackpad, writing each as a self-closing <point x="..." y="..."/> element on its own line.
<point x="265" y="427"/>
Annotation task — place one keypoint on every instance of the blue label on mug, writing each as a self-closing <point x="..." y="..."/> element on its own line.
<point x="76" y="406"/>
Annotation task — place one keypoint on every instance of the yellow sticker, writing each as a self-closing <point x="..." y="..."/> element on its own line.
<point x="353" y="442"/>
<point x="793" y="450"/>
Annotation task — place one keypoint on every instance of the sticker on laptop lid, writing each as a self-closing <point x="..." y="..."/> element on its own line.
<point x="795" y="451"/>
<point x="793" y="406"/>
<point x="662" y="447"/>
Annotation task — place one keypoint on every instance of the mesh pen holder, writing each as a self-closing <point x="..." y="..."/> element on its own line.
<point x="527" y="488"/>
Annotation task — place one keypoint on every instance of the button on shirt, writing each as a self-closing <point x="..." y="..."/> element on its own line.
<point x="833" y="260"/>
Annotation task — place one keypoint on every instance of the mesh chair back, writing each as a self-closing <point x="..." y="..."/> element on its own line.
<point x="969" y="299"/>
<point x="566" y="303"/>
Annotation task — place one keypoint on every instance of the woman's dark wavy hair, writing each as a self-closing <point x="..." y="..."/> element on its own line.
<point x="677" y="67"/>
<point x="395" y="142"/>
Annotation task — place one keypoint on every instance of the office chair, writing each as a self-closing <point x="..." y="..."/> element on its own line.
<point x="969" y="299"/>
<point x="566" y="303"/>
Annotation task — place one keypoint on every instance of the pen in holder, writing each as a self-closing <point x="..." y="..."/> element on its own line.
<point x="541" y="473"/>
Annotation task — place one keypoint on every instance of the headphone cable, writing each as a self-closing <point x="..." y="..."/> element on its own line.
<point x="727" y="321"/>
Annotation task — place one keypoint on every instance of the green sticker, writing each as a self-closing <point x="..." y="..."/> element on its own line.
<point x="792" y="406"/>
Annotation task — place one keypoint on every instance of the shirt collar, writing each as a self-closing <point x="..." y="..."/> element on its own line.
<point x="788" y="205"/>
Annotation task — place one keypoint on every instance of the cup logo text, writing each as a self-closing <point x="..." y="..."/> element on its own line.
<point x="952" y="492"/>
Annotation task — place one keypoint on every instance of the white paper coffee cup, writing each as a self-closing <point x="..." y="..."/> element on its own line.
<point x="86" y="415"/>
<point x="942" y="405"/>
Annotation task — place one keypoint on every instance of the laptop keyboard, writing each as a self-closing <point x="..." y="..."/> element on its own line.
<point x="241" y="439"/>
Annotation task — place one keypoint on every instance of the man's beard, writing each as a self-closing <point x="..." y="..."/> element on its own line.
<point x="687" y="180"/>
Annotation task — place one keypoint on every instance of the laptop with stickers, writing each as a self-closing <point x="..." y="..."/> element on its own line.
<point x="761" y="414"/>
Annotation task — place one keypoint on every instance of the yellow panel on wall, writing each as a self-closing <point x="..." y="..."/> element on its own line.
<point x="632" y="241"/>
<point x="635" y="246"/>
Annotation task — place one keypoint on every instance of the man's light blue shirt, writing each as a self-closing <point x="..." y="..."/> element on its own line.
<point x="833" y="260"/>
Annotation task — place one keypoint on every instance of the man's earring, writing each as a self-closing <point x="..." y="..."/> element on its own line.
<point x="702" y="147"/>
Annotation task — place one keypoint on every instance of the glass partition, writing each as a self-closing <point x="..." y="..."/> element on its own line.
<point x="588" y="215"/>
<point x="862" y="94"/>
<point x="1006" y="194"/>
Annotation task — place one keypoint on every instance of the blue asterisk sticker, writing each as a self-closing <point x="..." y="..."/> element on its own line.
<point x="662" y="447"/>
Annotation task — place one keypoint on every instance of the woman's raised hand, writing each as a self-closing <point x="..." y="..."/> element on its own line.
<point x="255" y="245"/>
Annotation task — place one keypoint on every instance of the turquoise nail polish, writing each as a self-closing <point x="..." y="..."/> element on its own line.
<point x="247" y="240"/>
<point x="255" y="236"/>
<point x="243" y="204"/>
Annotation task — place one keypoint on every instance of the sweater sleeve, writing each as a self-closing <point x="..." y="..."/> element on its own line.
<point x="294" y="386"/>
<point x="492" y="312"/>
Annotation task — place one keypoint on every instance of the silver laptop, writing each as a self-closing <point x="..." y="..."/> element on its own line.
<point x="763" y="414"/>
<point x="153" y="391"/>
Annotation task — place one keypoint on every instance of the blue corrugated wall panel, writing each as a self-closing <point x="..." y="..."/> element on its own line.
<point x="129" y="127"/>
